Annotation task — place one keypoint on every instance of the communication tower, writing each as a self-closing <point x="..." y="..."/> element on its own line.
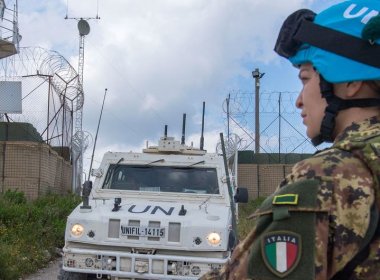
<point x="9" y="33"/>
<point x="9" y="45"/>
<point x="79" y="136"/>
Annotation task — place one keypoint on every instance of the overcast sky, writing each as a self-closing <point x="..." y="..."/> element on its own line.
<point x="162" y="58"/>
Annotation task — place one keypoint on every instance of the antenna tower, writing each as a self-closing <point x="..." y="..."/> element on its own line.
<point x="78" y="136"/>
<point x="9" y="32"/>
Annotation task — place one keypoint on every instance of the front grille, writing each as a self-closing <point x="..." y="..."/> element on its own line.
<point x="113" y="228"/>
<point x="128" y="249"/>
<point x="174" y="234"/>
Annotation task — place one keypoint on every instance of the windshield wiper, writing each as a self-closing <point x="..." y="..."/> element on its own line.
<point x="204" y="203"/>
<point x="159" y="160"/>
<point x="110" y="171"/>
<point x="199" y="162"/>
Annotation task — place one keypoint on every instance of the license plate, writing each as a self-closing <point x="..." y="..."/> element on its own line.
<point x="142" y="231"/>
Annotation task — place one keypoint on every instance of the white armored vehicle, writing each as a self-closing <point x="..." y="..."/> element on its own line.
<point x="165" y="213"/>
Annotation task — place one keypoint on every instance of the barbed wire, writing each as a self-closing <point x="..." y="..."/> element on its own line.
<point x="50" y="88"/>
<point x="281" y="128"/>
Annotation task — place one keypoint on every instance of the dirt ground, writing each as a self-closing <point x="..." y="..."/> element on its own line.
<point x="48" y="273"/>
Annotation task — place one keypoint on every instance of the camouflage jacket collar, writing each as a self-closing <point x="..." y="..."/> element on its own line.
<point x="360" y="130"/>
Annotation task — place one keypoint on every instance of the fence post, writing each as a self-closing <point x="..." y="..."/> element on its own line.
<point x="258" y="180"/>
<point x="3" y="169"/>
<point x="39" y="170"/>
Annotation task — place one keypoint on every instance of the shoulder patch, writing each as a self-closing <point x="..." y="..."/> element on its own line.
<point x="285" y="199"/>
<point x="281" y="251"/>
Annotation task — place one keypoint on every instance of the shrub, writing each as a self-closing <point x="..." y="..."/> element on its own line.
<point x="30" y="231"/>
<point x="15" y="197"/>
<point x="245" y="225"/>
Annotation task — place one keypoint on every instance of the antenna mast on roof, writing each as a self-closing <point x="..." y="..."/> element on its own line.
<point x="201" y="145"/>
<point x="84" y="29"/>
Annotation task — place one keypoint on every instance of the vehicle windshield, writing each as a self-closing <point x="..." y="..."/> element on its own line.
<point x="162" y="179"/>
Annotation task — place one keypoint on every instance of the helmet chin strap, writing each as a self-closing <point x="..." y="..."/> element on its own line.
<point x="334" y="105"/>
<point x="332" y="109"/>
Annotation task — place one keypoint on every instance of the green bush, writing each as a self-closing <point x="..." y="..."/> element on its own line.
<point x="14" y="197"/>
<point x="30" y="231"/>
<point x="245" y="225"/>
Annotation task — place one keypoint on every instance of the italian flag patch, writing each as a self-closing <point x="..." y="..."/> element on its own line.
<point x="281" y="251"/>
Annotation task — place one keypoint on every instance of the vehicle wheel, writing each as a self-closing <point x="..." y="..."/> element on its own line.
<point x="67" y="275"/>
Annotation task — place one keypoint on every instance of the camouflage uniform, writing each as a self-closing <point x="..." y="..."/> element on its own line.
<point x="345" y="191"/>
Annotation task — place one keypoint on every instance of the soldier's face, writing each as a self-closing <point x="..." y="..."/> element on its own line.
<point x="310" y="100"/>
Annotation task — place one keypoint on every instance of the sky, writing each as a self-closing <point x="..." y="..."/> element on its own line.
<point x="160" y="59"/>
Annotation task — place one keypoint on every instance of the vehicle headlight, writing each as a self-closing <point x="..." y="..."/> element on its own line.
<point x="214" y="239"/>
<point x="77" y="230"/>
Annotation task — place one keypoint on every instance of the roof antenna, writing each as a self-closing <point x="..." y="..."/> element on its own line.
<point x="183" y="129"/>
<point x="96" y="135"/>
<point x="97" y="10"/>
<point x="203" y="126"/>
<point x="166" y="131"/>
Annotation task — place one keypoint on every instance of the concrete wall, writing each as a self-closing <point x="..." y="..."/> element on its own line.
<point x="261" y="179"/>
<point x="33" y="168"/>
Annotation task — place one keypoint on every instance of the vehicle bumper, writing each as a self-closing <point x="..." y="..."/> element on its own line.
<point x="139" y="266"/>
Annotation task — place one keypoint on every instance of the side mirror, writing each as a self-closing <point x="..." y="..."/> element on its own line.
<point x="241" y="195"/>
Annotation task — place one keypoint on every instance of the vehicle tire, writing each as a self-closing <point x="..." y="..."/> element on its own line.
<point x="67" y="275"/>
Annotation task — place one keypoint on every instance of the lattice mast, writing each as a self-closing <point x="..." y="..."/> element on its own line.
<point x="9" y="32"/>
<point x="78" y="138"/>
<point x="84" y="29"/>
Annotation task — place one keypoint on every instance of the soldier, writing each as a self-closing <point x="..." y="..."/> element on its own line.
<point x="322" y="221"/>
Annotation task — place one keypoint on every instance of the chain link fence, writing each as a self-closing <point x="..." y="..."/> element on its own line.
<point x="281" y="128"/>
<point x="49" y="92"/>
<point x="283" y="140"/>
<point x="50" y="102"/>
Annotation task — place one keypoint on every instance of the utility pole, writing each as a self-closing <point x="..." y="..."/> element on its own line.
<point x="228" y="117"/>
<point x="279" y="128"/>
<point x="257" y="76"/>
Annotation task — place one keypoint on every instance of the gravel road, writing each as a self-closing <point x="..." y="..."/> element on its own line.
<point x="48" y="273"/>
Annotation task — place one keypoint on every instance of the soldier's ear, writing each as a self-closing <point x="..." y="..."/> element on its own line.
<point x="349" y="90"/>
<point x="353" y="89"/>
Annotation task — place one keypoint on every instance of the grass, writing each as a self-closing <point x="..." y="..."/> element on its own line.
<point x="246" y="225"/>
<point x="30" y="232"/>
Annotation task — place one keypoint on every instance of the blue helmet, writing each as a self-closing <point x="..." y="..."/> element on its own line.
<point x="342" y="42"/>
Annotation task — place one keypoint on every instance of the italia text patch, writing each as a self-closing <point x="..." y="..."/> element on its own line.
<point x="281" y="251"/>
